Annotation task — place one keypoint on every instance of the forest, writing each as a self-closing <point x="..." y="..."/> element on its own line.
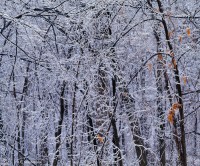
<point x="100" y="83"/>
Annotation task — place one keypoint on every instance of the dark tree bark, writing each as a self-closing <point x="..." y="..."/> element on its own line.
<point x="116" y="151"/>
<point x="160" y="111"/>
<point x="60" y="122"/>
<point x="91" y="137"/>
<point x="183" y="154"/>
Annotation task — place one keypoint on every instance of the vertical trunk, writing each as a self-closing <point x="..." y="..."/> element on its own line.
<point x="1" y="129"/>
<point x="23" y="135"/>
<point x="1" y="125"/>
<point x="129" y="103"/>
<point x="160" y="111"/>
<point x="19" y="106"/>
<point x="183" y="154"/>
<point x="139" y="143"/>
<point x="73" y="118"/>
<point x="73" y="126"/>
<point x="37" y="152"/>
<point x="195" y="136"/>
<point x="92" y="137"/>
<point x="66" y="125"/>
<point x="18" y="111"/>
<point x="104" y="88"/>
<point x="42" y="151"/>
<point x="44" y="148"/>
<point x="19" y="141"/>
<point x="21" y="129"/>
<point x="161" y="114"/>
<point x="59" y="129"/>
<point x="25" y="89"/>
<point x="13" y="154"/>
<point x="66" y="114"/>
<point x="116" y="150"/>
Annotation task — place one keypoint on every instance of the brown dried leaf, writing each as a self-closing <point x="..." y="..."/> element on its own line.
<point x="100" y="138"/>
<point x="172" y="110"/>
<point x="176" y="106"/>
<point x="184" y="78"/>
<point x="171" y="116"/>
<point x="188" y="32"/>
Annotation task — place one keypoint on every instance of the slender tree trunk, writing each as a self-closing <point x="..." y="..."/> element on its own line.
<point x="74" y="111"/>
<point x="20" y="158"/>
<point x="60" y="122"/>
<point x="183" y="155"/>
<point x="195" y="136"/>
<point x="44" y="147"/>
<point x="128" y="101"/>
<point x="24" y="93"/>
<point x="116" y="150"/>
<point x="160" y="111"/>
<point x="1" y="125"/>
<point x="139" y="143"/>
<point x="73" y="126"/>
<point x="92" y="137"/>
<point x="161" y="115"/>
<point x="20" y="128"/>
<point x="141" y="153"/>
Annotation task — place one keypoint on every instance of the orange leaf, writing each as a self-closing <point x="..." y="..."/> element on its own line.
<point x="172" y="110"/>
<point x="171" y="116"/>
<point x="176" y="106"/>
<point x="100" y="138"/>
<point x="188" y="31"/>
<point x="184" y="80"/>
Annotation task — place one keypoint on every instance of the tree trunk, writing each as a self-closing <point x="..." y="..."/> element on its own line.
<point x="141" y="153"/>
<point x="183" y="155"/>
<point x="92" y="137"/>
<point x="60" y="122"/>
<point x="160" y="111"/>
<point x="116" y="150"/>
